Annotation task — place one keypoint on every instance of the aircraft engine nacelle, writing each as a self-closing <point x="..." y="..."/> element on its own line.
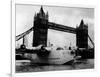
<point x="43" y="52"/>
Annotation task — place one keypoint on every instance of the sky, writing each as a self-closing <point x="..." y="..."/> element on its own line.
<point x="68" y="16"/>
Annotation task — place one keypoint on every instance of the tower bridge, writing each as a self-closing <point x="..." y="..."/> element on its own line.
<point x="42" y="24"/>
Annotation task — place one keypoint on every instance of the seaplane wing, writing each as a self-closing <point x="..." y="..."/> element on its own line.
<point x="28" y="50"/>
<point x="34" y="48"/>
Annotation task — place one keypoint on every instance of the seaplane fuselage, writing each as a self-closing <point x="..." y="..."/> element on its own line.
<point x="48" y="55"/>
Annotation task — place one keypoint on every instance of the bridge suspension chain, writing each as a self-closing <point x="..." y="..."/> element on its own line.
<point x="18" y="37"/>
<point x="91" y="40"/>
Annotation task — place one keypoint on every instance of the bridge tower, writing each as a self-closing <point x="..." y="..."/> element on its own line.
<point x="82" y="35"/>
<point x="40" y="28"/>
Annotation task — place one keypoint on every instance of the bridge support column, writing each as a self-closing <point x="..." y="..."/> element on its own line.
<point x="82" y="35"/>
<point x="40" y="28"/>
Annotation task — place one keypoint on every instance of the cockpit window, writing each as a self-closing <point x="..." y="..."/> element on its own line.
<point x="59" y="48"/>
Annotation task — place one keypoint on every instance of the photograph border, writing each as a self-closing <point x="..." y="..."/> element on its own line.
<point x="13" y="23"/>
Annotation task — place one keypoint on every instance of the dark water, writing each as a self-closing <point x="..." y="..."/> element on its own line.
<point x="79" y="64"/>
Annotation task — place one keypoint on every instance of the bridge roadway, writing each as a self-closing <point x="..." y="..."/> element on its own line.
<point x="62" y="28"/>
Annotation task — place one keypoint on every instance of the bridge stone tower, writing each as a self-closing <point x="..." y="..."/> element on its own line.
<point x="82" y="35"/>
<point x="40" y="28"/>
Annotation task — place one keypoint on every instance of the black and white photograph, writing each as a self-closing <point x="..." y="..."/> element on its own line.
<point x="53" y="38"/>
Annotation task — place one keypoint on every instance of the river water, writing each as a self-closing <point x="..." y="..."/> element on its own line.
<point x="79" y="64"/>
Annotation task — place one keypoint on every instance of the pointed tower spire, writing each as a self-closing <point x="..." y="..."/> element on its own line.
<point x="41" y="10"/>
<point x="82" y="23"/>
